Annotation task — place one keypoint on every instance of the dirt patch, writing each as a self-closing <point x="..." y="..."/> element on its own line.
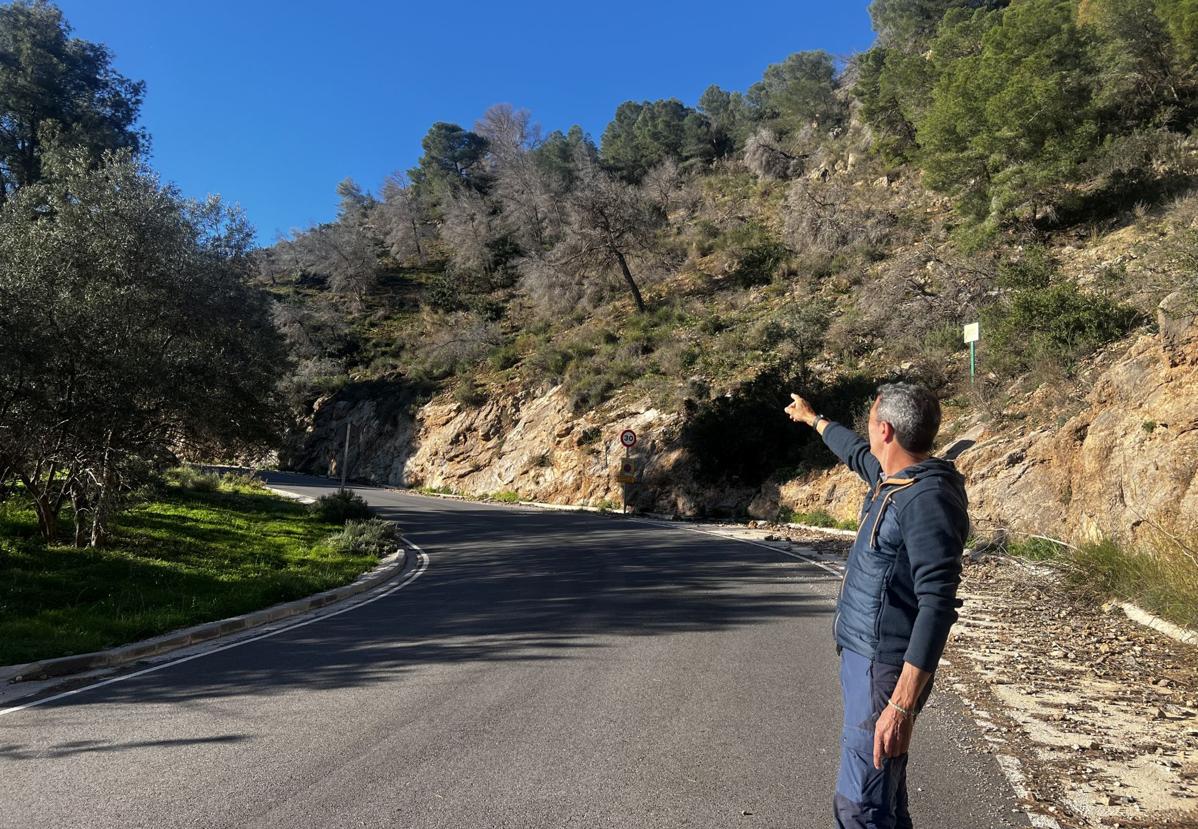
<point x="1101" y="712"/>
<point x="1094" y="715"/>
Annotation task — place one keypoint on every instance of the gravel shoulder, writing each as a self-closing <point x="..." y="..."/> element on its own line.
<point x="1094" y="714"/>
<point x="1101" y="712"/>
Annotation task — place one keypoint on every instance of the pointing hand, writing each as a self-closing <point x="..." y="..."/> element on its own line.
<point x="800" y="410"/>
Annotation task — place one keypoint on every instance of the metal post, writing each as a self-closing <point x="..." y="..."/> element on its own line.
<point x="971" y="363"/>
<point x="345" y="459"/>
<point x="624" y="486"/>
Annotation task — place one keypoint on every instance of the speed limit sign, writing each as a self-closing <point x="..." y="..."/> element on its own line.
<point x="628" y="438"/>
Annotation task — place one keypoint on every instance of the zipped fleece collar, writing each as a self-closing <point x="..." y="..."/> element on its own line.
<point x="928" y="468"/>
<point x="923" y="471"/>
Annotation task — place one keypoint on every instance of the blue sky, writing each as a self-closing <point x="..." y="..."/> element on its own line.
<point x="271" y="103"/>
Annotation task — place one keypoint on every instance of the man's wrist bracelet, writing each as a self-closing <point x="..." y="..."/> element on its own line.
<point x="815" y="423"/>
<point x="901" y="709"/>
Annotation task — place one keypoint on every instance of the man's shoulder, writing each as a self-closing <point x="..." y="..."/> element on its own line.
<point x="934" y="492"/>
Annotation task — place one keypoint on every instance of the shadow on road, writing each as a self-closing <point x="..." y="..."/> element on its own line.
<point x="17" y="752"/>
<point x="503" y="585"/>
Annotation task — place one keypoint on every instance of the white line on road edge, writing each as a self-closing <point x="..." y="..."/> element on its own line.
<point x="1014" y="773"/>
<point x="421" y="555"/>
<point x="1143" y="617"/>
<point x="294" y="496"/>
<point x="672" y="525"/>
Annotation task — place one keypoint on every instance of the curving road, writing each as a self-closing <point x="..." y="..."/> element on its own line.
<point x="546" y="670"/>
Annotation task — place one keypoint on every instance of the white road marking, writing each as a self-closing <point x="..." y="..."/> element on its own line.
<point x="422" y="557"/>
<point x="1014" y="774"/>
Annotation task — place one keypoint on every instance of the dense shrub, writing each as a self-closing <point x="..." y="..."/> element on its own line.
<point x="1055" y="325"/>
<point x="188" y="477"/>
<point x="757" y="264"/>
<point x="340" y="507"/>
<point x="833" y="217"/>
<point x="469" y="393"/>
<point x="371" y="537"/>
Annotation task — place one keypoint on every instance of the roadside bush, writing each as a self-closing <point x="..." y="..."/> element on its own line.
<point x="245" y="481"/>
<point x="506" y="496"/>
<point x="1161" y="576"/>
<point x="340" y="507"/>
<point x="469" y="393"/>
<point x="816" y="518"/>
<point x="371" y="537"/>
<point x="188" y="477"/>
<point x="1034" y="548"/>
<point x="1056" y="325"/>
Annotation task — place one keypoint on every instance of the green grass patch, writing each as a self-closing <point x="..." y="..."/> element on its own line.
<point x="436" y="490"/>
<point x="506" y="496"/>
<point x="817" y="518"/>
<point x="1037" y="549"/>
<point x="1161" y="578"/>
<point x="189" y="556"/>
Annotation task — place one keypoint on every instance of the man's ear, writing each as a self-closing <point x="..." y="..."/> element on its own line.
<point x="887" y="431"/>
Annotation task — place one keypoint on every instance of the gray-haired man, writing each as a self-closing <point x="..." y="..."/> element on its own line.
<point x="898" y="598"/>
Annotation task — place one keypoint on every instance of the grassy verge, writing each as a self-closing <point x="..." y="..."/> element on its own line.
<point x="191" y="555"/>
<point x="1162" y="579"/>
<point x="818" y="518"/>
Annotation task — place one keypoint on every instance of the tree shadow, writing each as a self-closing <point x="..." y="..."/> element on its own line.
<point x="1111" y="203"/>
<point x="746" y="439"/>
<point x="503" y="585"/>
<point x="18" y="752"/>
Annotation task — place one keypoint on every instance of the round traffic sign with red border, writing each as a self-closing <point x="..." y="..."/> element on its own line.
<point x="628" y="438"/>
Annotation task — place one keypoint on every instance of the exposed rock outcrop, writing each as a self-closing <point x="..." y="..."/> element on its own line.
<point x="1125" y="464"/>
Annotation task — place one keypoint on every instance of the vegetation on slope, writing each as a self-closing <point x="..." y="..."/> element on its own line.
<point x="830" y="227"/>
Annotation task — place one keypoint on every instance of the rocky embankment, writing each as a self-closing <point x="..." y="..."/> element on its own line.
<point x="1123" y="466"/>
<point x="1127" y="462"/>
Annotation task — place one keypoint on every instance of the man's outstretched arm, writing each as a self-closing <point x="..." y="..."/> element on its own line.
<point x="844" y="442"/>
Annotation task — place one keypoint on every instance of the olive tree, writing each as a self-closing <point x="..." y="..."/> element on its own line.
<point x="57" y="90"/>
<point x="132" y="333"/>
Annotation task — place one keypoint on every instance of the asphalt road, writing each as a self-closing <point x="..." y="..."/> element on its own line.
<point x="546" y="670"/>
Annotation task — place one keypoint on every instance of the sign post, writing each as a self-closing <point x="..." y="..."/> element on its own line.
<point x="627" y="469"/>
<point x="972" y="335"/>
<point x="345" y="458"/>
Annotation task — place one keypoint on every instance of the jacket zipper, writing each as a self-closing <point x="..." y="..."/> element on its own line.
<point x="898" y="483"/>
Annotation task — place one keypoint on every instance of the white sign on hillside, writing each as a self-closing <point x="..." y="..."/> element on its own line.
<point x="971" y="333"/>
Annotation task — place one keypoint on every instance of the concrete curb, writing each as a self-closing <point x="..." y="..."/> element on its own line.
<point x="1143" y="617"/>
<point x="387" y="569"/>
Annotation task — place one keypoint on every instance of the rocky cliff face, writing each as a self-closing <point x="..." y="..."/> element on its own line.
<point x="1126" y="463"/>
<point x="1122" y="467"/>
<point x="530" y="443"/>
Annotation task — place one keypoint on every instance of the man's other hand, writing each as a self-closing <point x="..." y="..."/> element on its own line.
<point x="892" y="735"/>
<point x="800" y="410"/>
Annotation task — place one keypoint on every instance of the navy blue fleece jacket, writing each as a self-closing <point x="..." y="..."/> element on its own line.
<point x="898" y="599"/>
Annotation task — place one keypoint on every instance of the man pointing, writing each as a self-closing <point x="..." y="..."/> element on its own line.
<point x="899" y="594"/>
